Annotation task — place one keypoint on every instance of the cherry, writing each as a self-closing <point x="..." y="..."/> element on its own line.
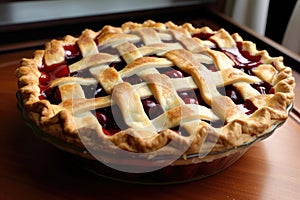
<point x="203" y="36"/>
<point x="118" y="65"/>
<point x="200" y="99"/>
<point x="186" y="94"/>
<point x="42" y="97"/>
<point x="72" y="54"/>
<point x="272" y="91"/>
<point x="212" y="68"/>
<point x="246" y="54"/>
<point x="260" y="88"/>
<point x="50" y="68"/>
<point x="52" y="95"/>
<point x="190" y="101"/>
<point x="111" y="120"/>
<point x="250" y="106"/>
<point x="62" y="71"/>
<point x="148" y="103"/>
<point x="233" y="94"/>
<point x="174" y="74"/>
<point x="44" y="78"/>
<point x="152" y="108"/>
<point x="241" y="62"/>
<point x="247" y="107"/>
<point x="100" y="92"/>
<point x="133" y="79"/>
<point x="192" y="97"/>
<point x="71" y="50"/>
<point x="241" y="58"/>
<point x="109" y="132"/>
<point x="244" y="69"/>
<point x="263" y="88"/>
<point x="102" y="118"/>
<point x="113" y="64"/>
<point x="48" y="73"/>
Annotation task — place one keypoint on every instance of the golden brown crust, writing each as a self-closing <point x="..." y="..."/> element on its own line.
<point x="67" y="121"/>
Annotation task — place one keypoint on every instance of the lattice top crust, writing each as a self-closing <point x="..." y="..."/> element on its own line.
<point x="139" y="86"/>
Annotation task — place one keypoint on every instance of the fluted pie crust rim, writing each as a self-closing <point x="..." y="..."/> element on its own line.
<point x="59" y="120"/>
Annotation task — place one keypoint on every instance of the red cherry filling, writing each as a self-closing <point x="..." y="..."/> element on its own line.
<point x="242" y="59"/>
<point x="111" y="120"/>
<point x="53" y="69"/>
<point x="246" y="62"/>
<point x="247" y="107"/>
<point x="203" y="36"/>
<point x="133" y="79"/>
<point x="44" y="79"/>
<point x="118" y="65"/>
<point x="263" y="88"/>
<point x="72" y="54"/>
<point x="192" y="97"/>
<point x="99" y="92"/>
<point x="211" y="67"/>
<point x="105" y="118"/>
<point x="52" y="95"/>
<point x="173" y="72"/>
<point x="51" y="72"/>
<point x="152" y="108"/>
<point x="191" y="101"/>
<point x="246" y="54"/>
<point x="234" y="94"/>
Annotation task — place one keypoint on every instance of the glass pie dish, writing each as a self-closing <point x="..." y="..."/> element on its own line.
<point x="188" y="168"/>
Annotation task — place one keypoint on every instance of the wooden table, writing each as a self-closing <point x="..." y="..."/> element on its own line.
<point x="33" y="169"/>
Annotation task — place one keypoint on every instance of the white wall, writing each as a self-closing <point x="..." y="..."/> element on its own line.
<point x="252" y="13"/>
<point x="291" y="37"/>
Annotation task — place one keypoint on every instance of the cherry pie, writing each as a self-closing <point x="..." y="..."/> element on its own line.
<point x="155" y="89"/>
